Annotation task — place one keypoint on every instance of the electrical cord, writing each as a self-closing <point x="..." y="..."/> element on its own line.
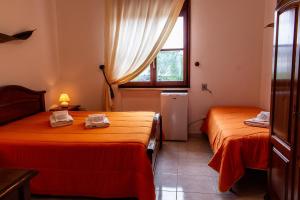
<point x="112" y="95"/>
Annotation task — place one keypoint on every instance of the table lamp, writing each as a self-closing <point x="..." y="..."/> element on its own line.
<point x="64" y="100"/>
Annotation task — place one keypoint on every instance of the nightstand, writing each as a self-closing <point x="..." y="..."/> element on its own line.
<point x="69" y="108"/>
<point x="14" y="184"/>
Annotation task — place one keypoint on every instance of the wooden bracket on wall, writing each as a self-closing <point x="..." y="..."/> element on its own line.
<point x="19" y="36"/>
<point x="271" y="25"/>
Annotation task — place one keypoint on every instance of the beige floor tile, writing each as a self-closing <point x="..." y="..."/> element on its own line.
<point x="201" y="196"/>
<point x="195" y="168"/>
<point x="166" y="182"/>
<point x="168" y="155"/>
<point x="165" y="195"/>
<point x="167" y="165"/>
<point x="201" y="184"/>
<point x="196" y="147"/>
<point x="171" y="146"/>
<point x="204" y="158"/>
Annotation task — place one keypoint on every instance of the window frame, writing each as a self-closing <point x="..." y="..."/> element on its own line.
<point x="153" y="83"/>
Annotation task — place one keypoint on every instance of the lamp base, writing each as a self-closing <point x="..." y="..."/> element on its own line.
<point x="64" y="104"/>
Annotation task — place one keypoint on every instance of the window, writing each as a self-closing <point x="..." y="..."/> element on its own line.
<point x="171" y="66"/>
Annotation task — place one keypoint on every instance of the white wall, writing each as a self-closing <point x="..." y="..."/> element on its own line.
<point x="81" y="50"/>
<point x="226" y="38"/>
<point x="267" y="59"/>
<point x="31" y="63"/>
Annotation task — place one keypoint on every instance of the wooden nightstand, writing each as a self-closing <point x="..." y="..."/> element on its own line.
<point x="69" y="108"/>
<point x="14" y="184"/>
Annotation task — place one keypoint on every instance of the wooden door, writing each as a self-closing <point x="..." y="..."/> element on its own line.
<point x="284" y="91"/>
<point x="296" y="115"/>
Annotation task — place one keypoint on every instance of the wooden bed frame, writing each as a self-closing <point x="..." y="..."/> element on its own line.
<point x="17" y="102"/>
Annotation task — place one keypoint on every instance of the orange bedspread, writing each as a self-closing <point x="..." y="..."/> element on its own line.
<point x="107" y="163"/>
<point x="236" y="146"/>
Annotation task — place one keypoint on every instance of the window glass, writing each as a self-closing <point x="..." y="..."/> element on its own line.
<point x="145" y="76"/>
<point x="169" y="66"/>
<point x="175" y="39"/>
<point x="169" y="63"/>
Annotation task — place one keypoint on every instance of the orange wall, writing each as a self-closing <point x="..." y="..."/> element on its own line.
<point x="32" y="63"/>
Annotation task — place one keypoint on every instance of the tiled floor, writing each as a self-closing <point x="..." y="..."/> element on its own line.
<point x="182" y="174"/>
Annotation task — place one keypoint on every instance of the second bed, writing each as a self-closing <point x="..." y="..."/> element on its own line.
<point x="236" y="146"/>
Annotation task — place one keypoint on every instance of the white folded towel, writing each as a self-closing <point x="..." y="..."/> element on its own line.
<point x="263" y="116"/>
<point x="60" y="118"/>
<point x="97" y="121"/>
<point x="251" y="122"/>
<point x="261" y="120"/>
<point x="60" y="115"/>
<point x="96" y="117"/>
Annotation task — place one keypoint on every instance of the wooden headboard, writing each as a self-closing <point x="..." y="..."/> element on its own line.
<point x="17" y="102"/>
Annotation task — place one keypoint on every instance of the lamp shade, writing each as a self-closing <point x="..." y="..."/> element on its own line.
<point x="64" y="99"/>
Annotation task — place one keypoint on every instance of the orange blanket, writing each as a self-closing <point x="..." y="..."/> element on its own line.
<point x="236" y="146"/>
<point x="74" y="161"/>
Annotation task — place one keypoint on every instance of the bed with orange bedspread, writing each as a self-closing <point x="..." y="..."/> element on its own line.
<point x="236" y="146"/>
<point x="108" y="162"/>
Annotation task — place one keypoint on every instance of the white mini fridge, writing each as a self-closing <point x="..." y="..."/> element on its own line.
<point x="174" y="111"/>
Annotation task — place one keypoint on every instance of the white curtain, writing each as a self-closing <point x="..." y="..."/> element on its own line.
<point x="136" y="30"/>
